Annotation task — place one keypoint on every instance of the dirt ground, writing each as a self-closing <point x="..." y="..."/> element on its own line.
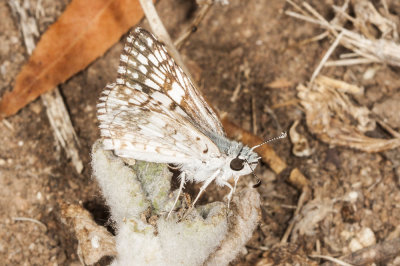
<point x="245" y="43"/>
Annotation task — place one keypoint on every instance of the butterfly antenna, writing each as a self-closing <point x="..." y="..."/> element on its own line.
<point x="281" y="136"/>
<point x="254" y="174"/>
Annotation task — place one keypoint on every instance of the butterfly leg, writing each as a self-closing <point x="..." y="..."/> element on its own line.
<point x="231" y="192"/>
<point x="205" y="185"/>
<point x="236" y="180"/>
<point x="182" y="176"/>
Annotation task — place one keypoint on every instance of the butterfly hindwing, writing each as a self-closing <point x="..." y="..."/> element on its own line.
<point x="139" y="120"/>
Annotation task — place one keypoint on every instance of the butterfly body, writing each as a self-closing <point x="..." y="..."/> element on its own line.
<point x="153" y="112"/>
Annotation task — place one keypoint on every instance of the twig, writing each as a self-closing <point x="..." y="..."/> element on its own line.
<point x="337" y="261"/>
<point x="348" y="55"/>
<point x="26" y="219"/>
<point x="62" y="126"/>
<point x="236" y="93"/>
<point x="56" y="110"/>
<point x="389" y="129"/>
<point x="326" y="57"/>
<point x="305" y="18"/>
<point x="7" y="124"/>
<point x="315" y="38"/>
<point x="373" y="254"/>
<point x="254" y="115"/>
<point x="349" y="62"/>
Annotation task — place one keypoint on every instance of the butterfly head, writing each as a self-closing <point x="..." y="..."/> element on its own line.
<point x="244" y="161"/>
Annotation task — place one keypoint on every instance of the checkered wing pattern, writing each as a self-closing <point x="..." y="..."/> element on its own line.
<point x="153" y="111"/>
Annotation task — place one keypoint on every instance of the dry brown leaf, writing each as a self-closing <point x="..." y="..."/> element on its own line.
<point x="94" y="241"/>
<point x="82" y="33"/>
<point x="332" y="116"/>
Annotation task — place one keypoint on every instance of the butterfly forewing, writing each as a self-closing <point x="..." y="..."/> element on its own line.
<point x="146" y="62"/>
<point x="154" y="109"/>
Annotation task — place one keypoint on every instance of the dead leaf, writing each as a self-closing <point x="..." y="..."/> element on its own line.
<point x="94" y="241"/>
<point x="82" y="33"/>
<point x="335" y="119"/>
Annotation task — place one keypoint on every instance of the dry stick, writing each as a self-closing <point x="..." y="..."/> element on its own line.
<point x="305" y="18"/>
<point x="254" y="115"/>
<point x="314" y="39"/>
<point x="349" y="62"/>
<point x="348" y="55"/>
<point x="373" y="254"/>
<point x="7" y="124"/>
<point x="55" y="108"/>
<point x="26" y="219"/>
<point x="332" y="259"/>
<point x="326" y="57"/>
<point x="62" y="127"/>
<point x="236" y="93"/>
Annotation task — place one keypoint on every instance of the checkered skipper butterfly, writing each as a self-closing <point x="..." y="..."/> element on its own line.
<point x="154" y="113"/>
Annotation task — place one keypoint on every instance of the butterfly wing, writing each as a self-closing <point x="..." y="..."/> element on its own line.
<point x="153" y="112"/>
<point x="148" y="60"/>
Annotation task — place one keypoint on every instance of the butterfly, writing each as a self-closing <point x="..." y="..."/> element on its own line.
<point x="153" y="112"/>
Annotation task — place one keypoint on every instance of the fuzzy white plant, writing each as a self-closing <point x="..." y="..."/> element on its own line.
<point x="139" y="199"/>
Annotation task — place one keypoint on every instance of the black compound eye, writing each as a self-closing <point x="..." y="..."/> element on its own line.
<point x="237" y="164"/>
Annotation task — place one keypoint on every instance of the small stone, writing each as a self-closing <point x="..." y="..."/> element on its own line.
<point x="355" y="245"/>
<point x="95" y="241"/>
<point x="39" y="196"/>
<point x="366" y="237"/>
